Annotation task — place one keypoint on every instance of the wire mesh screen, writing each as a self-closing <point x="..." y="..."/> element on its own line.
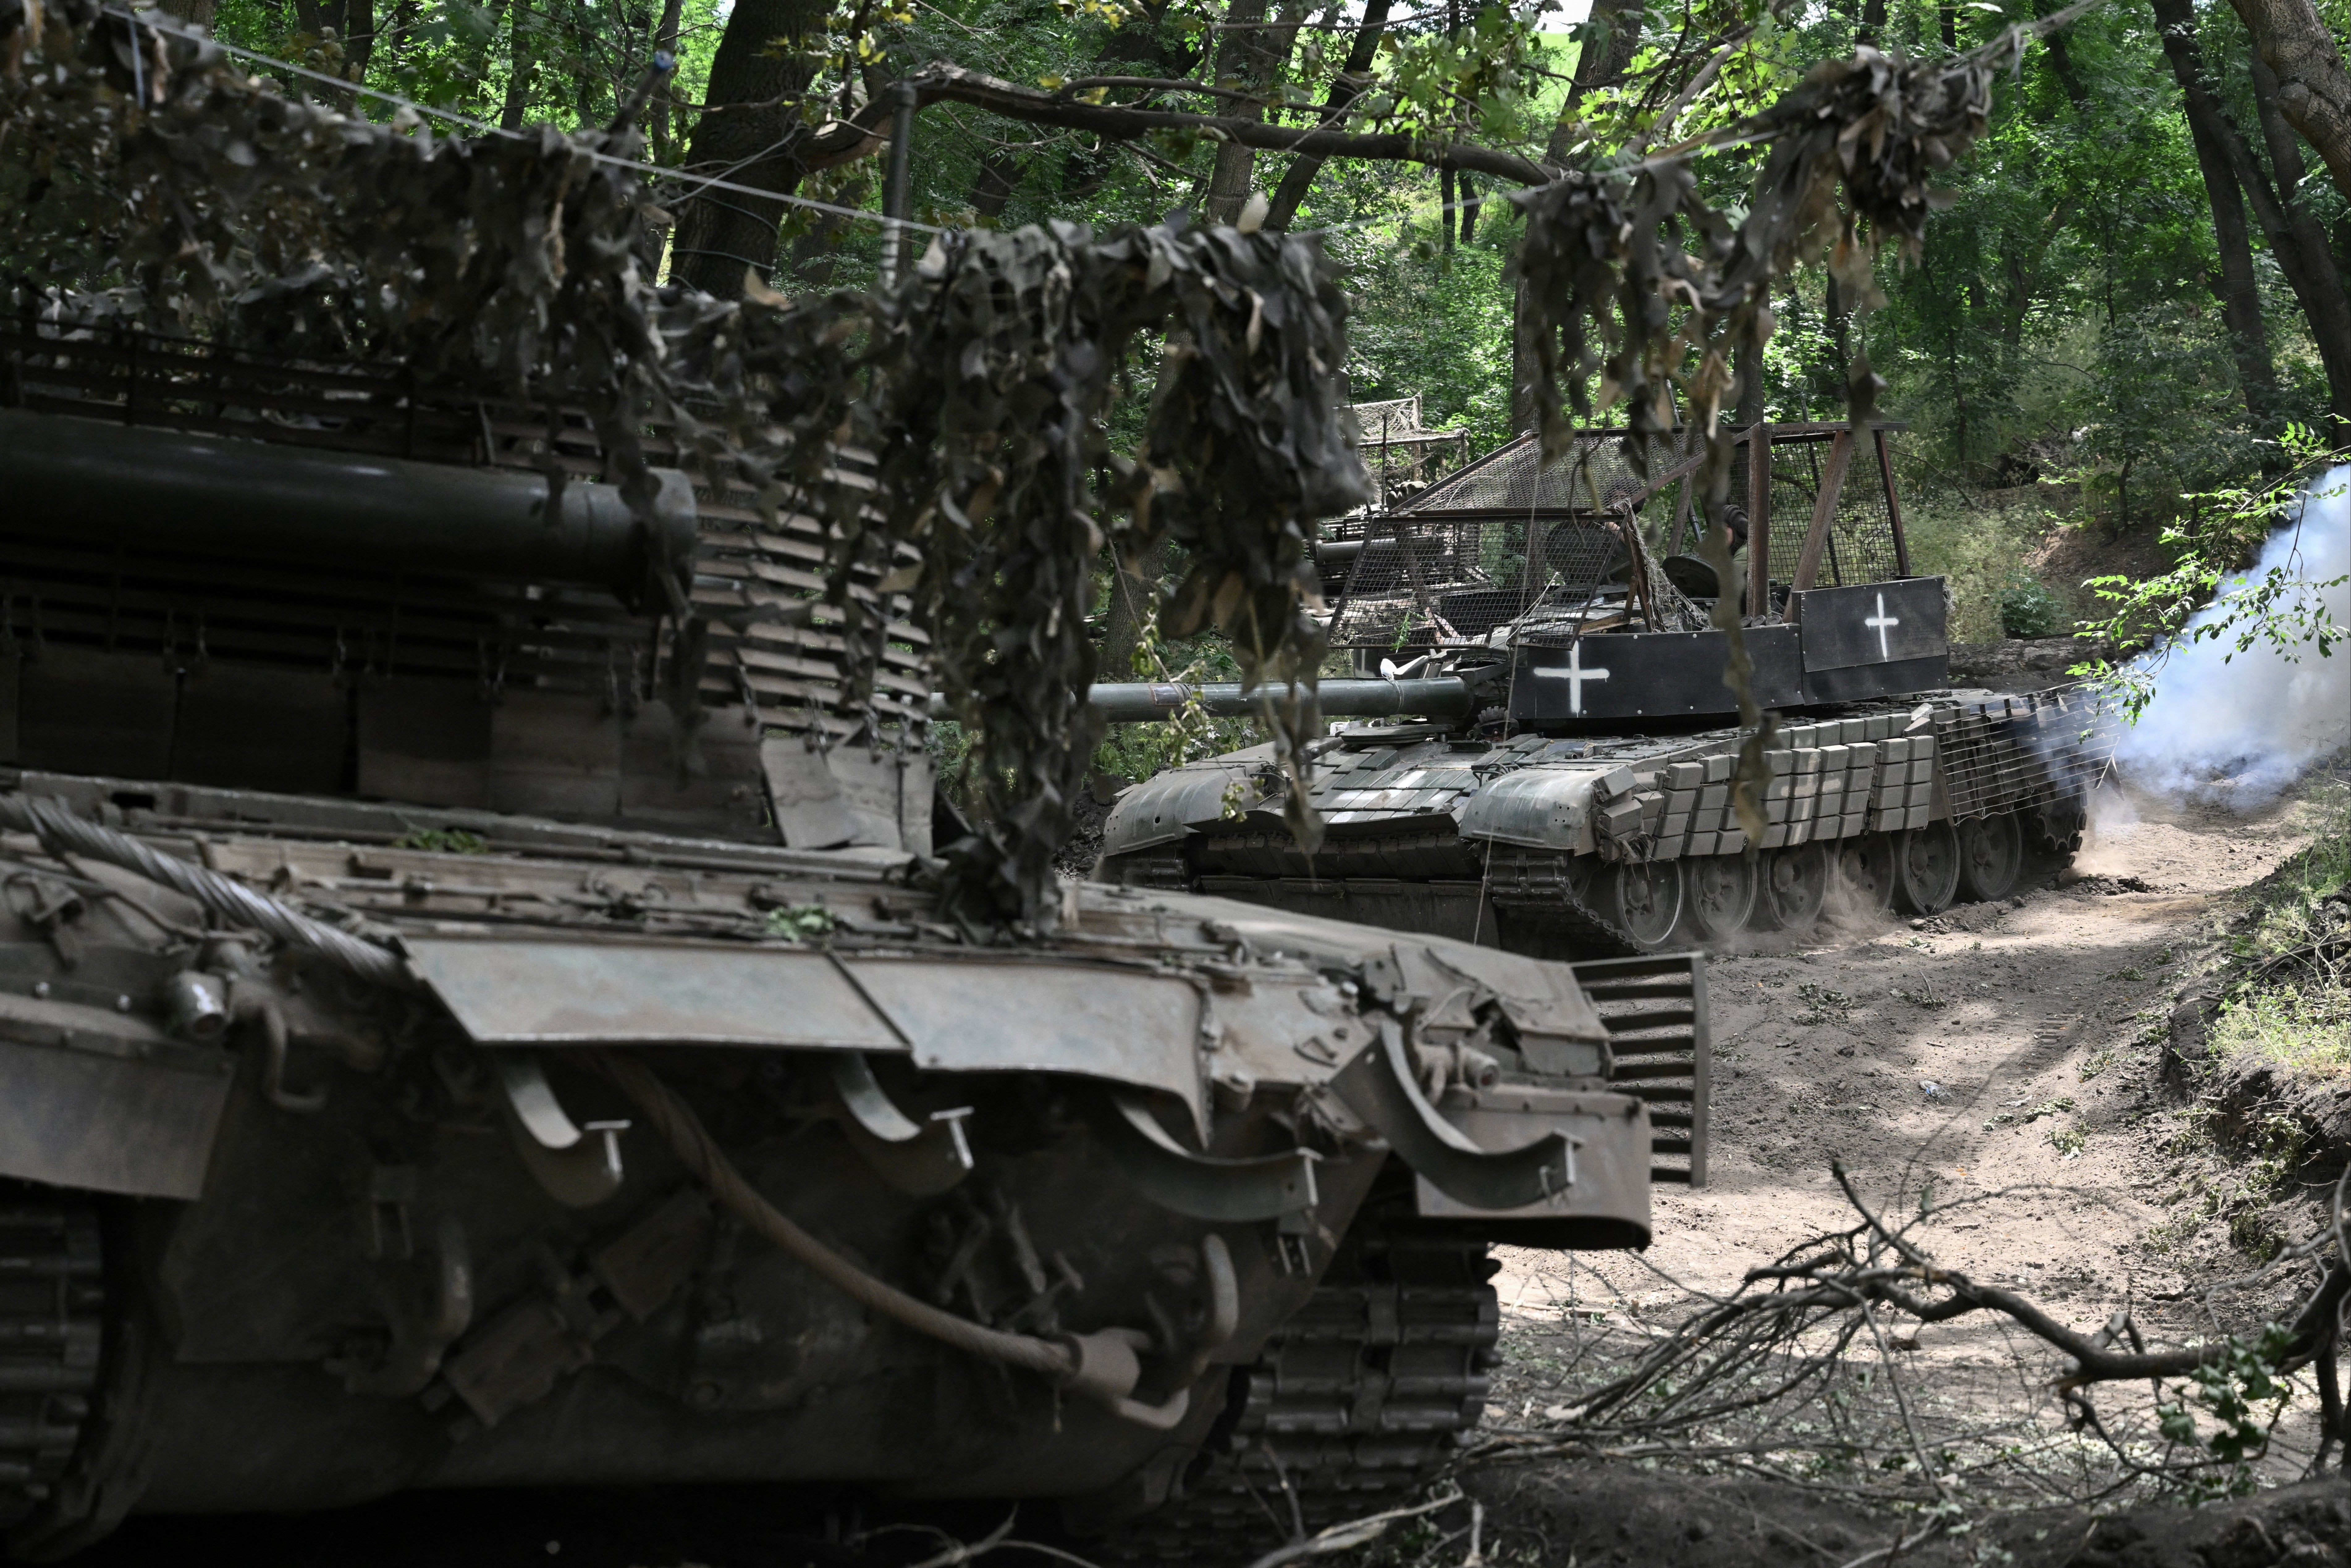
<point x="1508" y="541"/>
<point x="1415" y="581"/>
<point x="1404" y="454"/>
<point x="1538" y="551"/>
<point x="1593" y="476"/>
<point x="1860" y="544"/>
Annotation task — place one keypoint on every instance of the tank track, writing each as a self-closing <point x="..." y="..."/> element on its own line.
<point x="1353" y="1404"/>
<point x="52" y="1326"/>
<point x="1546" y="892"/>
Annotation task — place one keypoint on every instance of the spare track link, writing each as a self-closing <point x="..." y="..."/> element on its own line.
<point x="52" y="1325"/>
<point x="1353" y="1404"/>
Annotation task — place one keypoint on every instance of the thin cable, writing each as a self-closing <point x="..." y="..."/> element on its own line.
<point x="649" y="173"/>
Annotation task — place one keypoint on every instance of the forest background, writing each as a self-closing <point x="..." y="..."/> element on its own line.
<point x="2136" y="290"/>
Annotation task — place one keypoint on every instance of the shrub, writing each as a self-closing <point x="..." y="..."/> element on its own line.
<point x="2027" y="607"/>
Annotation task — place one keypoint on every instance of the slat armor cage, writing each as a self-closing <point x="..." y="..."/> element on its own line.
<point x="1512" y="548"/>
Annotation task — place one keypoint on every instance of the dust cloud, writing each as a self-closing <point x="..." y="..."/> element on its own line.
<point x="2237" y="727"/>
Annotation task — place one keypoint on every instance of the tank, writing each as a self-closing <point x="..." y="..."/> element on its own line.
<point x="1549" y="745"/>
<point x="454" y="1032"/>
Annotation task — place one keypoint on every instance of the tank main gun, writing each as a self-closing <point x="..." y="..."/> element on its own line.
<point x="1146" y="701"/>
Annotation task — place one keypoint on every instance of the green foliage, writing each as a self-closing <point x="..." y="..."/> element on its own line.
<point x="1139" y="751"/>
<point x="1975" y="550"/>
<point x="2298" y="1015"/>
<point x="444" y="841"/>
<point x="800" y="922"/>
<point x="2241" y="1394"/>
<point x="557" y="62"/>
<point x="2279" y="608"/>
<point x="2027" y="609"/>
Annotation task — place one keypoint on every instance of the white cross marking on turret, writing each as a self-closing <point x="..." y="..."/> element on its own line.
<point x="1576" y="675"/>
<point x="1881" y="623"/>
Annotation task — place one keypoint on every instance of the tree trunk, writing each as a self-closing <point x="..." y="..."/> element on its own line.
<point x="1447" y="197"/>
<point x="520" y="69"/>
<point x="1249" y="57"/>
<point x="1523" y="363"/>
<point x="2240" y="295"/>
<point x="660" y="113"/>
<point x="1750" y="389"/>
<point x="1131" y="593"/>
<point x="2296" y="239"/>
<point x="2313" y="89"/>
<point x="748" y="136"/>
<point x="992" y="187"/>
<point x="1595" y="69"/>
<point x="1353" y="77"/>
<point x="2060" y="60"/>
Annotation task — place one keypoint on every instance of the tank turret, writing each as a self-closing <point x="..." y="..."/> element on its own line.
<point x="1552" y="742"/>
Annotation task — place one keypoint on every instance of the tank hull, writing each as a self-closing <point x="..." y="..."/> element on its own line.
<point x="1532" y="843"/>
<point x="356" y="1253"/>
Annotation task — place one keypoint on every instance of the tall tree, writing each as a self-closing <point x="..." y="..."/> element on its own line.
<point x="2313" y="89"/>
<point x="2233" y="283"/>
<point x="1354" y="76"/>
<point x="752" y="134"/>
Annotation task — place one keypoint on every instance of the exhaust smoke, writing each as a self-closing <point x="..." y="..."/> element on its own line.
<point x="2240" y="727"/>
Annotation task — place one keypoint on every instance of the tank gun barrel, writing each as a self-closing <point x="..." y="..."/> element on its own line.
<point x="1142" y="701"/>
<point x="74" y="479"/>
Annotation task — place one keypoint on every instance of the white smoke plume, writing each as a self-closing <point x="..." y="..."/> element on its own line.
<point x="2244" y="725"/>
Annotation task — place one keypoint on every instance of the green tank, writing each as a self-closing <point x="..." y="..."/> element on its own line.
<point x="455" y="1034"/>
<point x="1551" y="744"/>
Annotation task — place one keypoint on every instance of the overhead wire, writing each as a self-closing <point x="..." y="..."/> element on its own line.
<point x="650" y="173"/>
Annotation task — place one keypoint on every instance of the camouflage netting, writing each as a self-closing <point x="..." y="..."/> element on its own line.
<point x="144" y="180"/>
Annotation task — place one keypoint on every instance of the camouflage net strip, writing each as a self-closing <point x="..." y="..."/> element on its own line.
<point x="145" y="183"/>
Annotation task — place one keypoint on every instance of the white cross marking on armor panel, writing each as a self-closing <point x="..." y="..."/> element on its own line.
<point x="1576" y="675"/>
<point x="1881" y="623"/>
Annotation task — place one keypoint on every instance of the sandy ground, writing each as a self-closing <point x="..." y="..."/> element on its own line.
<point x="2003" y="1060"/>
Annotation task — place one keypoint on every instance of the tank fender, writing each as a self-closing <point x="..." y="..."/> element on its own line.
<point x="1541" y="807"/>
<point x="106" y="1101"/>
<point x="953" y="1014"/>
<point x="1608" y="1203"/>
<point x="1162" y="810"/>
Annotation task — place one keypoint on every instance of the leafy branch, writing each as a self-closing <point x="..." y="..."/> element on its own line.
<point x="2208" y="595"/>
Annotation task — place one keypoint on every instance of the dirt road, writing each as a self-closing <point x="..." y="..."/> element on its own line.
<point x="2002" y="1046"/>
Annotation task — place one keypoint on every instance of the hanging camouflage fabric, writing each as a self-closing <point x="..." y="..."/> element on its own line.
<point x="148" y="183"/>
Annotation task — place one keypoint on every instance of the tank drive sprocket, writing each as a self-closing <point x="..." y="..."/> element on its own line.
<point x="1351" y="1407"/>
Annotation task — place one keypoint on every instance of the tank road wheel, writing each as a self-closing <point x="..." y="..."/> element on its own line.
<point x="1864" y="873"/>
<point x="1793" y="885"/>
<point x="1643" y="900"/>
<point x="1991" y="853"/>
<point x="1718" y="897"/>
<point x="1926" y="866"/>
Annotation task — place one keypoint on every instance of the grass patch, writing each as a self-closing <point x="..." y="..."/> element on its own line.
<point x="2296" y="1012"/>
<point x="1977" y="548"/>
<point x="2306" y="1028"/>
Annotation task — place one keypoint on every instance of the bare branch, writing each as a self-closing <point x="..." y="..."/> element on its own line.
<point x="945" y="83"/>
